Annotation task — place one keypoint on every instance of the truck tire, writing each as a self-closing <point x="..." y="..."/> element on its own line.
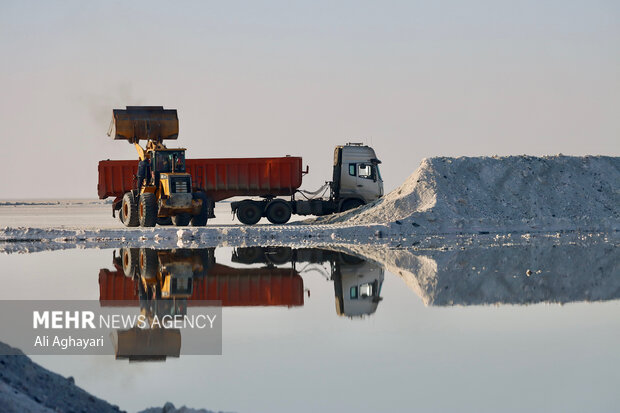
<point x="249" y="213"/>
<point x="148" y="263"/>
<point x="129" y="210"/>
<point x="201" y="219"/>
<point x="278" y="212"/>
<point x="279" y="255"/>
<point x="351" y="204"/>
<point x="147" y="210"/>
<point x="164" y="221"/>
<point x="181" y="220"/>
<point x="249" y="255"/>
<point x="129" y="261"/>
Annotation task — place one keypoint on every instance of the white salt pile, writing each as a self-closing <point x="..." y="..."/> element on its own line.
<point x="512" y="193"/>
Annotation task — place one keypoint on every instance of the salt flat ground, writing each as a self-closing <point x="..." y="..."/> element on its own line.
<point x="83" y="214"/>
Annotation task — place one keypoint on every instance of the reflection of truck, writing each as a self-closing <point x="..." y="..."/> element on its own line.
<point x="357" y="283"/>
<point x="233" y="287"/>
<point x="186" y="189"/>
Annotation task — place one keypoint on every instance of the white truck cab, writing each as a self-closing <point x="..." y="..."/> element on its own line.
<point x="357" y="179"/>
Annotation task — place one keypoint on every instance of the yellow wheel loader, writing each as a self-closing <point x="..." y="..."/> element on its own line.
<point x="163" y="193"/>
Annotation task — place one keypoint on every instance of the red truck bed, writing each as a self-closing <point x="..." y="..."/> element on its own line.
<point x="219" y="178"/>
<point x="234" y="287"/>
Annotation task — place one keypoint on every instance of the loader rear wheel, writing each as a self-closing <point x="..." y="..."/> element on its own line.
<point x="129" y="210"/>
<point x="147" y="210"/>
<point x="249" y="213"/>
<point x="278" y="212"/>
<point x="181" y="220"/>
<point x="207" y="260"/>
<point x="129" y="260"/>
<point x="200" y="220"/>
<point x="148" y="263"/>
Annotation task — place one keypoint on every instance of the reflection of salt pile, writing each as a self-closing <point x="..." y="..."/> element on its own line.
<point x="509" y="193"/>
<point x="546" y="270"/>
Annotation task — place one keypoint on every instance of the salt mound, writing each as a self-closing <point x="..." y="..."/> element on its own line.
<point x="501" y="193"/>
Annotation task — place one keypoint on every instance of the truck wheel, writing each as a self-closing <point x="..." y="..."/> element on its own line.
<point x="278" y="212"/>
<point x="200" y="220"/>
<point x="148" y="263"/>
<point x="164" y="221"/>
<point x="181" y="220"/>
<point x="129" y="260"/>
<point x="279" y="255"/>
<point x="147" y="210"/>
<point x="129" y="210"/>
<point x="350" y="204"/>
<point x="249" y="255"/>
<point x="249" y="213"/>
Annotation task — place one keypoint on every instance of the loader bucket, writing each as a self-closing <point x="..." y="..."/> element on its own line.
<point x="144" y="122"/>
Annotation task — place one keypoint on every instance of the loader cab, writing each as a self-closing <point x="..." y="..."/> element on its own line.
<point x="356" y="173"/>
<point x="177" y="279"/>
<point x="170" y="174"/>
<point x="168" y="161"/>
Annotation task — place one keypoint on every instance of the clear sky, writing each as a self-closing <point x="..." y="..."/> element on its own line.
<point x="270" y="78"/>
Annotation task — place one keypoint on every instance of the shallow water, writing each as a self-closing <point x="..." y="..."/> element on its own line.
<point x="527" y="328"/>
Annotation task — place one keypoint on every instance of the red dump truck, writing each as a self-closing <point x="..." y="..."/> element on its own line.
<point x="164" y="187"/>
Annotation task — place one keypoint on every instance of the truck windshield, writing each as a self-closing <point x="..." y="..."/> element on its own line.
<point x="378" y="173"/>
<point x="170" y="161"/>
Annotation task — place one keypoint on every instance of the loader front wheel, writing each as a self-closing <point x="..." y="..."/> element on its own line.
<point x="147" y="210"/>
<point x="129" y="210"/>
<point x="181" y="220"/>
<point x="129" y="259"/>
<point x="148" y="263"/>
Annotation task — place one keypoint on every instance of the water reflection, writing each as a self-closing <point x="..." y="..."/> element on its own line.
<point x="165" y="282"/>
<point x="545" y="271"/>
<point x="357" y="282"/>
<point x="168" y="281"/>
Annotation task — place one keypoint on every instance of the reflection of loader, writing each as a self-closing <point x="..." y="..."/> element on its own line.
<point x="146" y="345"/>
<point x="166" y="273"/>
<point x="164" y="190"/>
<point x="164" y="280"/>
